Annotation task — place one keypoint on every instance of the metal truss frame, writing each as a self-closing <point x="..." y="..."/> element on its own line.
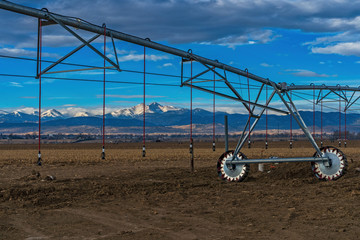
<point x="280" y="89"/>
<point x="54" y="20"/>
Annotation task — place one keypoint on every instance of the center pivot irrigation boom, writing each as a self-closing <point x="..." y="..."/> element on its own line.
<point x="328" y="163"/>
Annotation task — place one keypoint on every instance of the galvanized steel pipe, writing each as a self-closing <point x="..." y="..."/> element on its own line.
<point x="73" y="22"/>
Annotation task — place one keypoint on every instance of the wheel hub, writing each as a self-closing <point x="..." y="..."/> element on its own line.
<point x="334" y="164"/>
<point x="231" y="169"/>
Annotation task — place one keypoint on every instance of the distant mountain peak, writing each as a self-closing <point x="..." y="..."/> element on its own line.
<point x="16" y="113"/>
<point x="155" y="107"/>
<point x="155" y="104"/>
<point x="51" y="113"/>
<point x="81" y="114"/>
<point x="138" y="109"/>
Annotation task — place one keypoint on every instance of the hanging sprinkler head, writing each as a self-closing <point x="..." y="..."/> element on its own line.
<point x="191" y="146"/>
<point x="191" y="155"/>
<point x="39" y="159"/>
<point x="143" y="151"/>
<point x="103" y="153"/>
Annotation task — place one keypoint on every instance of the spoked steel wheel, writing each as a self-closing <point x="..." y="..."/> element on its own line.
<point x="232" y="173"/>
<point x="337" y="168"/>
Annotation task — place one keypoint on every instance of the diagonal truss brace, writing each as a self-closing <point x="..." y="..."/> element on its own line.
<point x="225" y="80"/>
<point x="351" y="103"/>
<point x="116" y="56"/>
<point x="319" y="98"/>
<point x="237" y="98"/>
<point x="348" y="101"/>
<point x="296" y="115"/>
<point x="84" y="41"/>
<point x="340" y="94"/>
<point x="67" y="55"/>
<point x="196" y="76"/>
<point x="202" y="73"/>
<point x="244" y="136"/>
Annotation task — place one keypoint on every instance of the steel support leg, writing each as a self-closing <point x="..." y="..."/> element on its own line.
<point x="243" y="137"/>
<point x="226" y="133"/>
<point x="299" y="120"/>
<point x="301" y="123"/>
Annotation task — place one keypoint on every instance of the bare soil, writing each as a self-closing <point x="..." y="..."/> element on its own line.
<point x="76" y="195"/>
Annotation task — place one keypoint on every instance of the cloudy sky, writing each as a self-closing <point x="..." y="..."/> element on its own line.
<point x="300" y="42"/>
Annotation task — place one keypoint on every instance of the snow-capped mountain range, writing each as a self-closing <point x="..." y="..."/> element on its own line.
<point x="159" y="118"/>
<point x="31" y="115"/>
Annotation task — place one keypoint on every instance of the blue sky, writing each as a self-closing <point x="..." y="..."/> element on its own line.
<point x="291" y="41"/>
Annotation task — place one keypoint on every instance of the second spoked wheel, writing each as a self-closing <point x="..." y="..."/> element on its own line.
<point x="337" y="167"/>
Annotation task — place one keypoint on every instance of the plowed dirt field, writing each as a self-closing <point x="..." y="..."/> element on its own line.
<point x="76" y="195"/>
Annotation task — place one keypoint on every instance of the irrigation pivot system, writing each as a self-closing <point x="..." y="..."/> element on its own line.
<point x="328" y="163"/>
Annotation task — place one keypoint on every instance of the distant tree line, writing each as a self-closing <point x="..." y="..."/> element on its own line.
<point x="175" y="137"/>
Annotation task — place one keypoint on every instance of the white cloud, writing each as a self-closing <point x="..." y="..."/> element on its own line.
<point x="140" y="57"/>
<point x="59" y="98"/>
<point x="129" y="96"/>
<point x="346" y="42"/>
<point x="345" y="49"/>
<point x="340" y="37"/>
<point x="56" y="40"/>
<point x="15" y="84"/>
<point x="167" y="65"/>
<point x="266" y="65"/>
<point x="254" y="36"/>
<point x="307" y="73"/>
<point x="29" y="97"/>
<point x="42" y="81"/>
<point x="95" y="72"/>
<point x="127" y="102"/>
<point x="20" y="52"/>
<point x="230" y="22"/>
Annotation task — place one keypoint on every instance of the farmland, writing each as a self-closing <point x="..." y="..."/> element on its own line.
<point x="76" y="195"/>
